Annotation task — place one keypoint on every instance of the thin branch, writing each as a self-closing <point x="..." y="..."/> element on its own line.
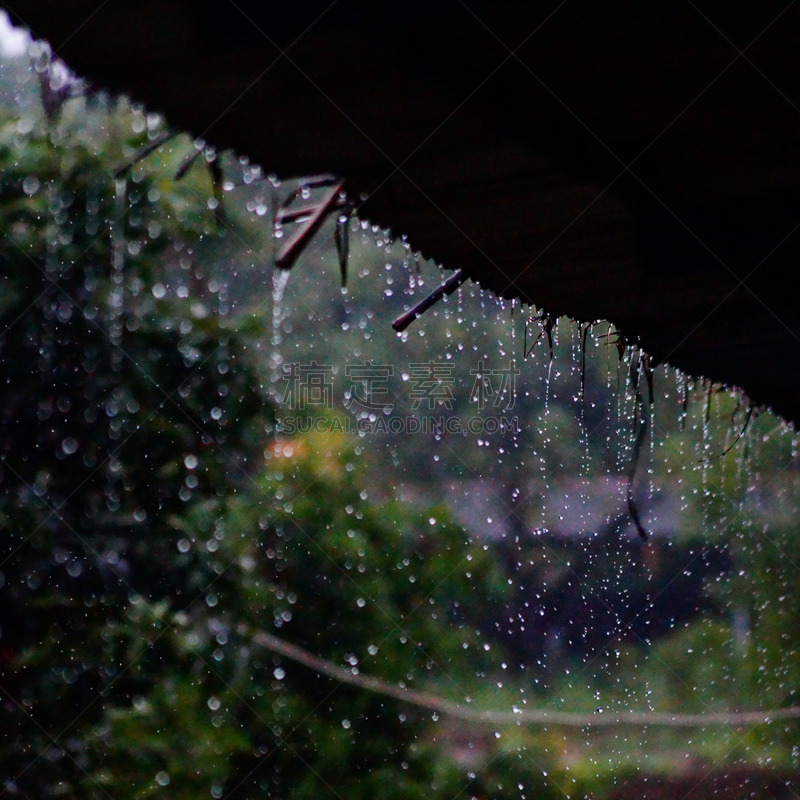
<point x="523" y="715"/>
<point x="642" y="365"/>
<point x="144" y="152"/>
<point x="735" y="441"/>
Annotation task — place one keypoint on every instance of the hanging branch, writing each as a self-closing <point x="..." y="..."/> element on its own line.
<point x="524" y="715"/>
<point x="647" y="368"/>
<point x="642" y="365"/>
<point x="736" y="440"/>
<point x="548" y="323"/>
<point x="525" y="351"/>
<point x="584" y="332"/>
<point x="633" y="509"/>
<point x="621" y="342"/>
<point x="684" y="404"/>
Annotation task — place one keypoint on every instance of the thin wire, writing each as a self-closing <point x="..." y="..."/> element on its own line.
<point x="527" y="716"/>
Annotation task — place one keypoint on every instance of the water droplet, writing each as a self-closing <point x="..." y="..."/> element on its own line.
<point x="31" y="185"/>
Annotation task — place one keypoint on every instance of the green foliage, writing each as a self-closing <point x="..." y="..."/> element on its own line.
<point x="307" y="557"/>
<point x="156" y="532"/>
<point x="122" y="404"/>
<point x="196" y="697"/>
<point x="144" y="549"/>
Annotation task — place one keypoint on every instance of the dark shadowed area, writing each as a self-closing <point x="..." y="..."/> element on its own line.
<point x="632" y="162"/>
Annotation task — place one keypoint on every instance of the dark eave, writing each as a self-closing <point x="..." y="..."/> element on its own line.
<point x="631" y="161"/>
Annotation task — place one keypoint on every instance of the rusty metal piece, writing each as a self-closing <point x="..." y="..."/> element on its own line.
<point x="310" y="215"/>
<point x="448" y="287"/>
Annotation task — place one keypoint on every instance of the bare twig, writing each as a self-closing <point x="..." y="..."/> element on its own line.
<point x="735" y="441"/>
<point x="144" y="152"/>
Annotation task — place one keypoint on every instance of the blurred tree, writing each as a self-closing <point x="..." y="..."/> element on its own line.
<point x="148" y="548"/>
<point x="125" y="400"/>
<point x="144" y="547"/>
